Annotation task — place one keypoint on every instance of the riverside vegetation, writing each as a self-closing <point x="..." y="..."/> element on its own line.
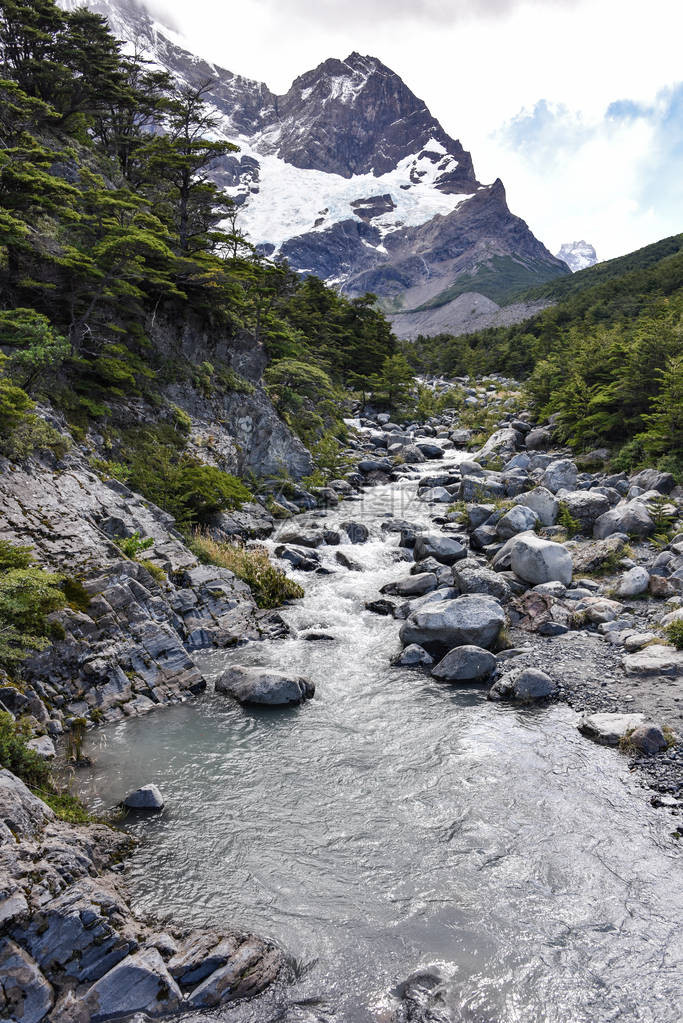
<point x="168" y="396"/>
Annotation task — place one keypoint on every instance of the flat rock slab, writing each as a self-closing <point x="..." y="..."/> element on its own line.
<point x="654" y="660"/>
<point x="609" y="728"/>
<point x="140" y="983"/>
<point x="262" y="685"/>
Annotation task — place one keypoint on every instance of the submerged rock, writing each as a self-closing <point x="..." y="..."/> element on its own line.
<point x="147" y="797"/>
<point x="263" y="685"/>
<point x="413" y="656"/>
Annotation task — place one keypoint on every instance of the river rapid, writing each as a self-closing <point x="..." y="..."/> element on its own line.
<point x="394" y="823"/>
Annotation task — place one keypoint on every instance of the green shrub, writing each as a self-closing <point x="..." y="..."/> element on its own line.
<point x="674" y="633"/>
<point x="269" y="585"/>
<point x="201" y="490"/>
<point x="156" y="571"/>
<point x="131" y="546"/>
<point x="17" y="757"/>
<point x="27" y="596"/>
<point x="33" y="434"/>
<point x="34" y="770"/>
<point x="567" y="520"/>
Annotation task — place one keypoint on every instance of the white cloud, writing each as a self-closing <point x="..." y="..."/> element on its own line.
<point x="478" y="65"/>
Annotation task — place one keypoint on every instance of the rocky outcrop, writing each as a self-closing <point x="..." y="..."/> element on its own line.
<point x="71" y="948"/>
<point x="128" y="648"/>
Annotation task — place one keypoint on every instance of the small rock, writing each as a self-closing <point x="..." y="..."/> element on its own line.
<point x="648" y="738"/>
<point x="523" y="685"/>
<point x="413" y="656"/>
<point x="148" y="797"/>
<point x="465" y="664"/>
<point x="634" y="582"/>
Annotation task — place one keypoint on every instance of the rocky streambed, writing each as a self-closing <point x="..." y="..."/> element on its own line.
<point x="426" y="823"/>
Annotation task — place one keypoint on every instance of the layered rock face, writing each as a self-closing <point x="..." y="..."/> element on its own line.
<point x="349" y="176"/>
<point x="71" y="950"/>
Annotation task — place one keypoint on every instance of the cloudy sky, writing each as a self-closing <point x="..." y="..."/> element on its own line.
<point x="576" y="104"/>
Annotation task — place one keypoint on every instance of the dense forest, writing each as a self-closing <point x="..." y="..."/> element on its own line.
<point x="110" y="225"/>
<point x="606" y="358"/>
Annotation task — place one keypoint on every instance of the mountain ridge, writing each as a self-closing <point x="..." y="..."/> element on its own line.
<point x="349" y="176"/>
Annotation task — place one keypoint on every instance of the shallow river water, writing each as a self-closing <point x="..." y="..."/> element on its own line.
<point x="394" y="823"/>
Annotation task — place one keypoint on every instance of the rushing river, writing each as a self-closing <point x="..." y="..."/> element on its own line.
<point x="393" y="823"/>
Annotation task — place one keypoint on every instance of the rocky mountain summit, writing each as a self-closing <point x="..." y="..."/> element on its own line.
<point x="578" y="255"/>
<point x="349" y="176"/>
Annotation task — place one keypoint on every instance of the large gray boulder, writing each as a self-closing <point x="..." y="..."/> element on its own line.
<point x="631" y="518"/>
<point x="536" y="560"/>
<point x="264" y="685"/>
<point x="444" y="549"/>
<point x="465" y="664"/>
<point x="24" y="814"/>
<point x="25" y="995"/>
<point x="540" y="500"/>
<point x="139" y="983"/>
<point x="586" y="506"/>
<point x="472" y="578"/>
<point x="523" y="685"/>
<point x="518" y="519"/>
<point x="466" y="620"/>
<point x="415" y="585"/>
<point x="560" y="475"/>
<point x="634" y="582"/>
<point x="503" y="442"/>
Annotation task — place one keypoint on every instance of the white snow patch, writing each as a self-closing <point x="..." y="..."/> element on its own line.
<point x="291" y="198"/>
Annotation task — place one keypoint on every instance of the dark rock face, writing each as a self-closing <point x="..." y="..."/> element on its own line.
<point x="356" y="116"/>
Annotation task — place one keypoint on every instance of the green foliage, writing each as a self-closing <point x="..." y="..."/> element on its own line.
<point x="109" y="229"/>
<point x="329" y="459"/>
<point x="16" y="756"/>
<point x="156" y="571"/>
<point x="27" y="595"/>
<point x="34" y="770"/>
<point x="674" y="633"/>
<point x="605" y="360"/>
<point x="39" y="349"/>
<point x="394" y="383"/>
<point x="567" y="520"/>
<point x="201" y="490"/>
<point x="131" y="546"/>
<point x="270" y="586"/>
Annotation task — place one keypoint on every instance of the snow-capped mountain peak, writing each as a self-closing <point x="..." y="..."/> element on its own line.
<point x="348" y="175"/>
<point x="578" y="255"/>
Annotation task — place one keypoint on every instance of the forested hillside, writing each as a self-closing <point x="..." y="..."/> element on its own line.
<point x="607" y="358"/>
<point x="113" y="240"/>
